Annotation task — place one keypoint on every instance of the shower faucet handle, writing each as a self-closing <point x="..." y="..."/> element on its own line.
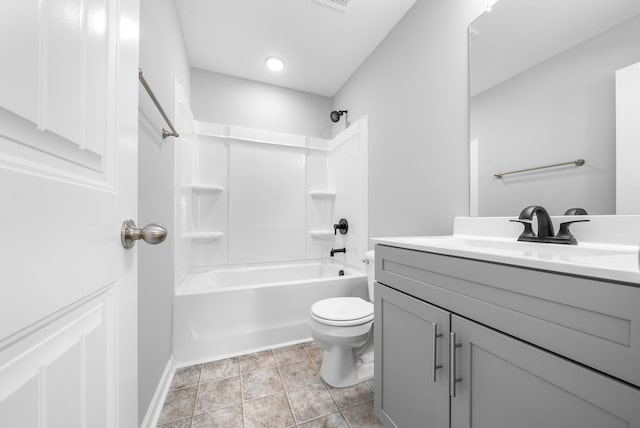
<point x="342" y="226"/>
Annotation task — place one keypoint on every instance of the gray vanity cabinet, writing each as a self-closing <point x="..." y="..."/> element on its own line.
<point x="506" y="383"/>
<point x="411" y="367"/>
<point x="506" y="380"/>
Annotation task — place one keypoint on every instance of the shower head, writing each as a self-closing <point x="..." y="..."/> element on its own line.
<point x="337" y="114"/>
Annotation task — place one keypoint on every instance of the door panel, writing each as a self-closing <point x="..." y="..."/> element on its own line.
<point x="507" y="383"/>
<point x="61" y="371"/>
<point x="61" y="197"/>
<point x="406" y="393"/>
<point x="68" y="178"/>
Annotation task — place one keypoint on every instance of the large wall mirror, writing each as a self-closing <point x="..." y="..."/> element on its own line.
<point x="542" y="87"/>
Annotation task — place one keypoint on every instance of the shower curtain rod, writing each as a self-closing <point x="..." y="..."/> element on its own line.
<point x="165" y="133"/>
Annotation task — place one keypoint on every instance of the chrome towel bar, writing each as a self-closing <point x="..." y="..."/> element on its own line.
<point x="577" y="162"/>
<point x="165" y="133"/>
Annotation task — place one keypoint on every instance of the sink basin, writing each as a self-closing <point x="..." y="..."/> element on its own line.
<point x="522" y="248"/>
<point x="618" y="262"/>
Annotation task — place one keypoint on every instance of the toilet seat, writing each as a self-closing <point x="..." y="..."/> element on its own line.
<point x="342" y="311"/>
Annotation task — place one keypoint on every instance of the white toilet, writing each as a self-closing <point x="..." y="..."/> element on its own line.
<point x="343" y="327"/>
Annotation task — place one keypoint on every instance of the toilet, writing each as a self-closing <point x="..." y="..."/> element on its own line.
<point x="343" y="327"/>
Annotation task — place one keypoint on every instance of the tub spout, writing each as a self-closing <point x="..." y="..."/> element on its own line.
<point x="338" y="250"/>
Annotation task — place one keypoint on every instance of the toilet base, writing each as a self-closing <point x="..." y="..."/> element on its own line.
<point x="341" y="368"/>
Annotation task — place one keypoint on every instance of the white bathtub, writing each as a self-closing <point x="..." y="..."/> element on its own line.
<point x="244" y="308"/>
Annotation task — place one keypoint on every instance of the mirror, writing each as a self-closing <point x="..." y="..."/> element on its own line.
<point x="542" y="87"/>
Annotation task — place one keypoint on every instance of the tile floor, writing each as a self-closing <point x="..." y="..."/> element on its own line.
<point x="278" y="388"/>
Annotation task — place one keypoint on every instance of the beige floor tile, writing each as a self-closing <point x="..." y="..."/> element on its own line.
<point x="186" y="376"/>
<point x="310" y="402"/>
<point x="178" y="405"/>
<point x="257" y="361"/>
<point x="261" y="383"/>
<point x="370" y="384"/>
<point x="271" y="411"/>
<point x="311" y="345"/>
<point x="181" y="423"/>
<point x="316" y="356"/>
<point x="351" y="395"/>
<point x="290" y="354"/>
<point x="228" y="417"/>
<point x="334" y="420"/>
<point x="288" y="348"/>
<point x="249" y="391"/>
<point x="218" y="394"/>
<point x="362" y="416"/>
<point x="298" y="374"/>
<point x="222" y="369"/>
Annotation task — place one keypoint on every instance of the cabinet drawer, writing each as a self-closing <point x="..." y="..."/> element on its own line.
<point x="594" y="322"/>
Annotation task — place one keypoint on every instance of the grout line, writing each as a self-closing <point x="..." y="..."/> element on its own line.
<point x="193" y="411"/>
<point x="324" y="416"/>
<point x="346" y="421"/>
<point x="241" y="393"/>
<point x="286" y="392"/>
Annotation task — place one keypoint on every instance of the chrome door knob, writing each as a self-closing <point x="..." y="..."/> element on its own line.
<point x="151" y="234"/>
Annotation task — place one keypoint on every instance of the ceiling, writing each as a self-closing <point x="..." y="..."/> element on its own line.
<point x="518" y="34"/>
<point x="321" y="45"/>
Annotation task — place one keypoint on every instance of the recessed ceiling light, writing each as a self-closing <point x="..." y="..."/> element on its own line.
<point x="274" y="64"/>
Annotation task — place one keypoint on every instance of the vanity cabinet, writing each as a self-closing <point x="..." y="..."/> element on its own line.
<point x="411" y="361"/>
<point x="504" y="325"/>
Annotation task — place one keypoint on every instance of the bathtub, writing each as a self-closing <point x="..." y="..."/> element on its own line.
<point x="239" y="309"/>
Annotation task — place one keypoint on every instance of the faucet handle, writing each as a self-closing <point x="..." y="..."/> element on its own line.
<point x="342" y="226"/>
<point x="565" y="233"/>
<point x="528" y="228"/>
<point x="576" y="211"/>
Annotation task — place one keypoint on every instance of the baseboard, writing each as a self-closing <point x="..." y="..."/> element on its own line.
<point x="155" y="407"/>
<point x="216" y="357"/>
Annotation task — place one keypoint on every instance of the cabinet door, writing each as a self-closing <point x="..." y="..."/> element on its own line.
<point x="506" y="383"/>
<point x="410" y="389"/>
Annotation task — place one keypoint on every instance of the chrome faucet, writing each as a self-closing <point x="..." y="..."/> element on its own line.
<point x="338" y="250"/>
<point x="545" y="227"/>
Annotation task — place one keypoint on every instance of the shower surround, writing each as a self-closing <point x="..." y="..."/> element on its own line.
<point x="249" y="200"/>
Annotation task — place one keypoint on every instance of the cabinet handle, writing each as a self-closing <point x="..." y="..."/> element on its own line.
<point x="452" y="364"/>
<point x="434" y="349"/>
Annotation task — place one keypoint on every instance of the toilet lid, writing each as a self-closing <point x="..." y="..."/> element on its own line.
<point x="342" y="311"/>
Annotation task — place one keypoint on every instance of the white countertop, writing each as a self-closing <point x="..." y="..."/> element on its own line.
<point x="617" y="260"/>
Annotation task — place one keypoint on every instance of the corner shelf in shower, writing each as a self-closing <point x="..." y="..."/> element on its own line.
<point x="322" y="194"/>
<point x="321" y="234"/>
<point x="204" y="236"/>
<point x="208" y="188"/>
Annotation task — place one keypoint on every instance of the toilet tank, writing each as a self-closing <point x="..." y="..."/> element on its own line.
<point x="369" y="260"/>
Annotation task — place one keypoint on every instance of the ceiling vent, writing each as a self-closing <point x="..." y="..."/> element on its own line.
<point x="342" y="5"/>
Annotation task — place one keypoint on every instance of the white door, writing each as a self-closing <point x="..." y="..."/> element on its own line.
<point x="68" y="178"/>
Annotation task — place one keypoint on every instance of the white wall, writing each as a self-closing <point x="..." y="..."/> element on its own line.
<point x="217" y="98"/>
<point x="163" y="60"/>
<point x="414" y="88"/>
<point x="560" y="110"/>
